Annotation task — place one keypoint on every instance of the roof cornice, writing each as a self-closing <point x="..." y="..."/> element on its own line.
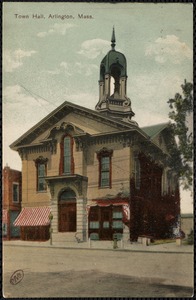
<point x="65" y="108"/>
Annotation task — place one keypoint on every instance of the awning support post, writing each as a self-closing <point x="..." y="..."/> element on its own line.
<point x="50" y="229"/>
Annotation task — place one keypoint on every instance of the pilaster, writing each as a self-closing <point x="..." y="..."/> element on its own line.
<point x="54" y="208"/>
<point x="107" y="84"/>
<point x="81" y="218"/>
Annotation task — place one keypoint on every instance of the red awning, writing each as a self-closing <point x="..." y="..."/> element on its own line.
<point x="105" y="203"/>
<point x="33" y="216"/>
<point x="4" y="216"/>
<point x="108" y="202"/>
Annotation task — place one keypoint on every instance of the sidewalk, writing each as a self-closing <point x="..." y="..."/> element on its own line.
<point x="106" y="245"/>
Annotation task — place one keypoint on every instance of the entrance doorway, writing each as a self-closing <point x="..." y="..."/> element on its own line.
<point x="105" y="221"/>
<point x="67" y="211"/>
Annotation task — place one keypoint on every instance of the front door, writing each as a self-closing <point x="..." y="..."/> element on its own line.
<point x="67" y="211"/>
<point x="105" y="223"/>
<point x="67" y="217"/>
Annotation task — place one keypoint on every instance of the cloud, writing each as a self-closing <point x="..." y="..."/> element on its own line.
<point x="149" y="95"/>
<point x="147" y="118"/>
<point x="54" y="72"/>
<point x="93" y="48"/>
<point x="169" y="49"/>
<point x="56" y="29"/>
<point x="22" y="107"/>
<point x="85" y="69"/>
<point x="14" y="59"/>
<point x="87" y="100"/>
<point x="69" y="69"/>
<point x="66" y="68"/>
<point x="21" y="111"/>
<point x="149" y="87"/>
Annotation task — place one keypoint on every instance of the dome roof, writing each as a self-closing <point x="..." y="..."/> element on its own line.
<point x="113" y="62"/>
<point x="114" y="58"/>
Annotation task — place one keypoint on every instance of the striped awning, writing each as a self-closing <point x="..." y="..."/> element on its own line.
<point x="33" y="216"/>
<point x="4" y="216"/>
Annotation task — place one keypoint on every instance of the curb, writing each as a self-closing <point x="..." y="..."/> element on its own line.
<point x="100" y="249"/>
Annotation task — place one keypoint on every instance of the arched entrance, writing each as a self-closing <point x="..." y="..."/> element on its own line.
<point x="67" y="211"/>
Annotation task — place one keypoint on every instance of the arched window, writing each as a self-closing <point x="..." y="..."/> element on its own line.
<point x="67" y="195"/>
<point x="66" y="160"/>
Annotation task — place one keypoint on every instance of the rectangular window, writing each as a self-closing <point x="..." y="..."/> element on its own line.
<point x="105" y="171"/>
<point x="94" y="225"/>
<point x="41" y="183"/>
<point x="117" y="215"/>
<point x="117" y="218"/>
<point x="117" y="224"/>
<point x="105" y="167"/>
<point x="15" y="192"/>
<point x="106" y="224"/>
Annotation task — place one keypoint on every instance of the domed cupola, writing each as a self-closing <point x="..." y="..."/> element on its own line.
<point x="112" y="99"/>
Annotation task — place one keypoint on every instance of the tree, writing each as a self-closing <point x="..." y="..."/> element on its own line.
<point x="181" y="154"/>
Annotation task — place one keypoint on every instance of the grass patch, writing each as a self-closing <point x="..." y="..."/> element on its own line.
<point x="165" y="241"/>
<point x="186" y="242"/>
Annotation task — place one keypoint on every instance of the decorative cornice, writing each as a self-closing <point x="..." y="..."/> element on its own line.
<point x="52" y="145"/>
<point x="80" y="144"/>
<point x="65" y="127"/>
<point x="41" y="159"/>
<point x="47" y="146"/>
<point x="104" y="151"/>
<point x="58" y="114"/>
<point x="23" y="153"/>
<point x="126" y="140"/>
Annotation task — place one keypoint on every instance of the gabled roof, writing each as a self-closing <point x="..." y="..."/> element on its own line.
<point x="67" y="107"/>
<point x="154" y="130"/>
<point x="60" y="112"/>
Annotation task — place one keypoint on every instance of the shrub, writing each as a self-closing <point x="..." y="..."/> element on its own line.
<point x="190" y="239"/>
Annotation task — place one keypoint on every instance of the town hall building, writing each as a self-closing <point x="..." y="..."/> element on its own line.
<point x="96" y="173"/>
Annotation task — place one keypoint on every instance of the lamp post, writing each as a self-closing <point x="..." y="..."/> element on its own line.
<point x="50" y="229"/>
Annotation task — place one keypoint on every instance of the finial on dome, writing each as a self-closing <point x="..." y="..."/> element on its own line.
<point x="113" y="40"/>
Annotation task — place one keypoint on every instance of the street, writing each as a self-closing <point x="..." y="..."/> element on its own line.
<point x="57" y="272"/>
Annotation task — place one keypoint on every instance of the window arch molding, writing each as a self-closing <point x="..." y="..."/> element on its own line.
<point x="66" y="155"/>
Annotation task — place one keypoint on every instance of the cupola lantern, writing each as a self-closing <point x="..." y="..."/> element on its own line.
<point x="113" y="100"/>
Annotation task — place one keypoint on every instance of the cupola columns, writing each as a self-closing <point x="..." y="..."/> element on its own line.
<point x="113" y="100"/>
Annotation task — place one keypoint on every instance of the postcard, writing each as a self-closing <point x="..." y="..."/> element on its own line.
<point x="97" y="150"/>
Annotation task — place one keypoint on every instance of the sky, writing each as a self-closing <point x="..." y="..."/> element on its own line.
<point x="52" y="53"/>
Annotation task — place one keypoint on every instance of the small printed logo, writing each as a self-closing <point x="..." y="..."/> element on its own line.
<point x="16" y="277"/>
